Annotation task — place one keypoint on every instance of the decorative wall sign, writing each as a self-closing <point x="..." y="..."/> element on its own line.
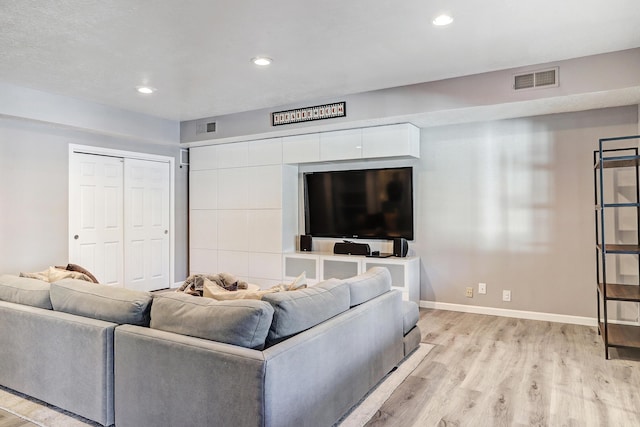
<point x="319" y="112"/>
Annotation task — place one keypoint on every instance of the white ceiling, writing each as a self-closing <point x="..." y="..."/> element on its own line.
<point x="197" y="52"/>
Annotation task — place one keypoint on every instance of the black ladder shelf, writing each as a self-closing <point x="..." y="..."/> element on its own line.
<point x="623" y="156"/>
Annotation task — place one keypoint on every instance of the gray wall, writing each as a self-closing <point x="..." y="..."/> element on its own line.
<point x="510" y="203"/>
<point x="34" y="192"/>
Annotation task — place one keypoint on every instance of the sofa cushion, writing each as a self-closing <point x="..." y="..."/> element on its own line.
<point x="300" y="310"/>
<point x="25" y="291"/>
<point x="410" y="316"/>
<point x="368" y="285"/>
<point x="103" y="302"/>
<point x="242" y="322"/>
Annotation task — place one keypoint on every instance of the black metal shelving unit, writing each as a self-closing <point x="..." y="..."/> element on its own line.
<point x="624" y="155"/>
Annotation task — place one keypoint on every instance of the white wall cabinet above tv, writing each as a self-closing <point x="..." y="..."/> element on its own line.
<point x="400" y="140"/>
<point x="405" y="272"/>
<point x="391" y="141"/>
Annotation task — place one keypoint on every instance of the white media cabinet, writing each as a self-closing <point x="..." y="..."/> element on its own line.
<point x="244" y="196"/>
<point x="319" y="266"/>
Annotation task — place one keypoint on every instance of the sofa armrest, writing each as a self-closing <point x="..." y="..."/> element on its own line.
<point x="60" y="358"/>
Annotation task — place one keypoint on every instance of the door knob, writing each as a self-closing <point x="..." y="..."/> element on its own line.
<point x="166" y="231"/>
<point x="76" y="237"/>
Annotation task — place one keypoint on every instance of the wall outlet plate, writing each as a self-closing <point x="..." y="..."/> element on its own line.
<point x="506" y="295"/>
<point x="469" y="292"/>
<point x="482" y="288"/>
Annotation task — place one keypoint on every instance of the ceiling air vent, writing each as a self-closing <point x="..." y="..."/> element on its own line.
<point x="204" y="126"/>
<point x="536" y="79"/>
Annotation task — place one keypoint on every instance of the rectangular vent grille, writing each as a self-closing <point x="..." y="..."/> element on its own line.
<point x="523" y="81"/>
<point x="205" y="127"/>
<point x="536" y="79"/>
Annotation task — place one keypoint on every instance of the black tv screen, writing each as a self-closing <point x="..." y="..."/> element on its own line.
<point x="365" y="204"/>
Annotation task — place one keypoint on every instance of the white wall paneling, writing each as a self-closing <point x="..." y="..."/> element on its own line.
<point x="233" y="230"/>
<point x="233" y="188"/>
<point x="233" y="155"/>
<point x="233" y="262"/>
<point x="203" y="261"/>
<point x="265" y="187"/>
<point x="265" y="230"/>
<point x="203" y="189"/>
<point x="203" y="232"/>
<point x="265" y="152"/>
<point x="301" y="148"/>
<point x="265" y="265"/>
<point x="253" y="210"/>
<point x="207" y="158"/>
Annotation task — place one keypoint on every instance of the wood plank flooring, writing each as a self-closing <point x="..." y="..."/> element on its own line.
<point x="7" y="419"/>
<point x="498" y="371"/>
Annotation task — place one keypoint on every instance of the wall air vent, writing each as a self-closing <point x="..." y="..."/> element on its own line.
<point x="204" y="126"/>
<point x="536" y="79"/>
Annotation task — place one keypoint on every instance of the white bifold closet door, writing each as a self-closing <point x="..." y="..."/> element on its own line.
<point x="119" y="220"/>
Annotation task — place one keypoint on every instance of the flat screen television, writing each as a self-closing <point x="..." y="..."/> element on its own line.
<point x="364" y="204"/>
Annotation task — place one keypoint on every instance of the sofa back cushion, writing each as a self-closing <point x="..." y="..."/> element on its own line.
<point x="25" y="291"/>
<point x="296" y="311"/>
<point x="243" y="322"/>
<point x="103" y="302"/>
<point x="368" y="285"/>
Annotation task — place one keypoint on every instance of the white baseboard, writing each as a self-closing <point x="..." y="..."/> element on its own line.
<point x="518" y="314"/>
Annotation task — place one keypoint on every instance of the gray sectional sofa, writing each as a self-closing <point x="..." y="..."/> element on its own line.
<point x="299" y="358"/>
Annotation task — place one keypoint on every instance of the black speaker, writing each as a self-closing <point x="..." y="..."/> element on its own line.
<point x="400" y="247"/>
<point x="306" y="242"/>
<point x="350" y="248"/>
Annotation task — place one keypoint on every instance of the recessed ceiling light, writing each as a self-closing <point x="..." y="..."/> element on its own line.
<point x="261" y="60"/>
<point x="442" y="20"/>
<point x="145" y="89"/>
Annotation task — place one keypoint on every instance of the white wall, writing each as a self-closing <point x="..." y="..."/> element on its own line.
<point x="34" y="190"/>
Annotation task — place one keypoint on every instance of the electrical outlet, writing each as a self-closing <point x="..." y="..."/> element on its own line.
<point x="506" y="295"/>
<point x="482" y="288"/>
<point x="469" y="292"/>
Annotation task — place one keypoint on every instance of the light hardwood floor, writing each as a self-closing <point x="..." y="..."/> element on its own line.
<point x="9" y="420"/>
<point x="497" y="371"/>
